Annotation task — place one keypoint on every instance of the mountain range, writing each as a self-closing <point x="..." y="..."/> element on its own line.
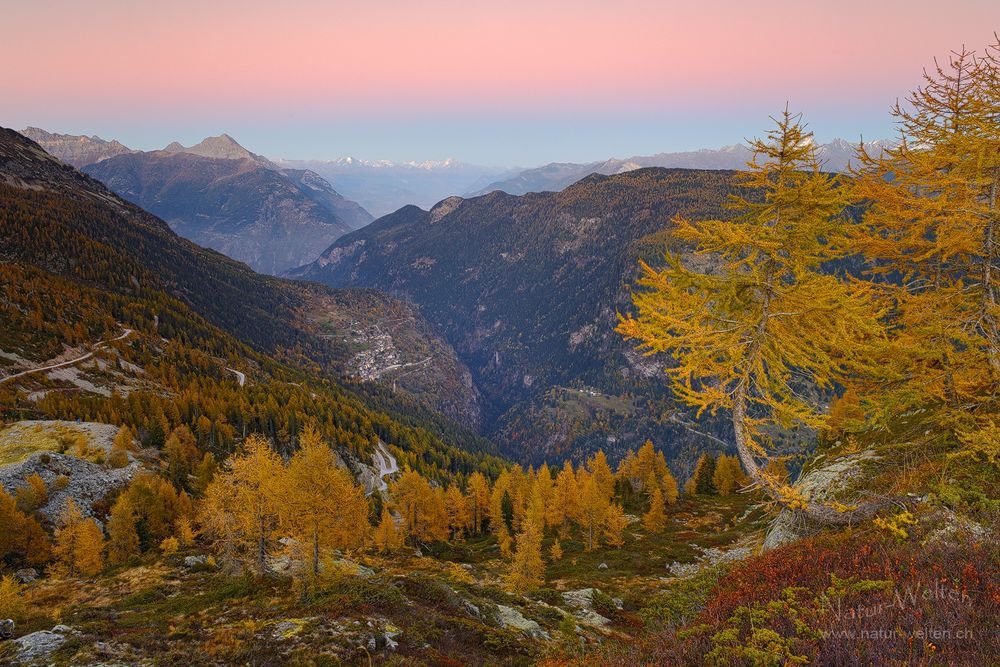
<point x="836" y="156"/>
<point x="383" y="187"/>
<point x="76" y="150"/>
<point x="224" y="197"/>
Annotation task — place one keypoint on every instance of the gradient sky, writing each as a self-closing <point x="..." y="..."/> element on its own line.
<point x="518" y="82"/>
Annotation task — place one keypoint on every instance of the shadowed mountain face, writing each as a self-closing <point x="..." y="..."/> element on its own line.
<point x="836" y="156"/>
<point x="243" y="208"/>
<point x="65" y="234"/>
<point x="526" y="289"/>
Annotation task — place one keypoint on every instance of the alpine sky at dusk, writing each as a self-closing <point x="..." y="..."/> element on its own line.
<point x="521" y="82"/>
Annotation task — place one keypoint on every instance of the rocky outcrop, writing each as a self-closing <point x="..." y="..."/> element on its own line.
<point x="818" y="485"/>
<point x="67" y="476"/>
<point x="582" y="603"/>
<point x="509" y="617"/>
<point x="85" y="483"/>
<point x="38" y="646"/>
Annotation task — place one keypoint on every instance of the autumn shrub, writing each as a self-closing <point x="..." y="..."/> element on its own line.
<point x="832" y="599"/>
<point x="682" y="599"/>
<point x="548" y="595"/>
<point x="362" y="594"/>
<point x="118" y="458"/>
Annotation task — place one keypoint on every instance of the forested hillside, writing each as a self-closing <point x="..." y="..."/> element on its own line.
<point x="82" y="266"/>
<point x="526" y="290"/>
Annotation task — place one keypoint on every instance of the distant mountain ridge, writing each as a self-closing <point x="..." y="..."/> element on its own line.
<point x="835" y="155"/>
<point x="78" y="151"/>
<point x="383" y="186"/>
<point x="222" y="147"/>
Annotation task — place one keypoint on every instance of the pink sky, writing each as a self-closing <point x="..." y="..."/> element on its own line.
<point x="187" y="62"/>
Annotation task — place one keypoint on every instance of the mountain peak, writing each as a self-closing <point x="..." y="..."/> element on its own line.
<point x="222" y="147"/>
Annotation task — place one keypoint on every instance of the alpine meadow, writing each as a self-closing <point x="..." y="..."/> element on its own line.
<point x="700" y="406"/>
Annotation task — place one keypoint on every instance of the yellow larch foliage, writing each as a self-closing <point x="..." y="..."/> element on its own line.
<point x="765" y="313"/>
<point x="321" y="507"/>
<point x="459" y="511"/>
<point x="425" y="517"/>
<point x="479" y="500"/>
<point x="79" y="543"/>
<point x="565" y="498"/>
<point x="388" y="537"/>
<point x="655" y="517"/>
<point x="527" y="568"/>
<point x="598" y="466"/>
<point x="615" y="523"/>
<point x="593" y="505"/>
<point x="22" y="537"/>
<point x="933" y="226"/>
<point x="11" y="600"/>
<point x="240" y="508"/>
<point x="669" y="486"/>
<point x="728" y="475"/>
<point x="123" y="538"/>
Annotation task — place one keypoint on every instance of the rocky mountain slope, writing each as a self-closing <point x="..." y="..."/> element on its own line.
<point x="244" y="210"/>
<point x="526" y="290"/>
<point x="836" y="155"/>
<point x="76" y="150"/>
<point x="80" y="264"/>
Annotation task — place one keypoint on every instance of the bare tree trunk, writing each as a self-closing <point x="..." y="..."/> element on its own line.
<point x="988" y="295"/>
<point x="315" y="554"/>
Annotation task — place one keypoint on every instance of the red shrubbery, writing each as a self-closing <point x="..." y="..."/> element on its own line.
<point x="841" y="600"/>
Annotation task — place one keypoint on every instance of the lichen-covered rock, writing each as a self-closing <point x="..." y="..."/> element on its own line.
<point x="39" y="645"/>
<point x="582" y="602"/>
<point x="509" y="617"/>
<point x="26" y="575"/>
<point x="818" y="485"/>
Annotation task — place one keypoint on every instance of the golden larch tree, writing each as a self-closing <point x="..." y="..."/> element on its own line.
<point x="655" y="517"/>
<point x="321" y="506"/>
<point x="79" y="542"/>
<point x="931" y="231"/>
<point x="764" y="317"/>
<point x="240" y="511"/>
<point x="615" y="523"/>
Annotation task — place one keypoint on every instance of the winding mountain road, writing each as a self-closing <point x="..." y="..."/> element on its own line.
<point x="386" y="462"/>
<point x="240" y="377"/>
<point x="96" y="346"/>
